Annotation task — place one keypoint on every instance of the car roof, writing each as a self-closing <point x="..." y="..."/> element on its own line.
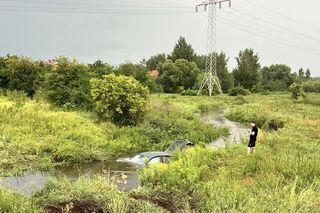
<point x="154" y="154"/>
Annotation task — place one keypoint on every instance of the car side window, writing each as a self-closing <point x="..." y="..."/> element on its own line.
<point x="155" y="160"/>
<point x="165" y="159"/>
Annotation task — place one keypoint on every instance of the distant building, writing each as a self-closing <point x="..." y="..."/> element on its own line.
<point x="52" y="62"/>
<point x="153" y="73"/>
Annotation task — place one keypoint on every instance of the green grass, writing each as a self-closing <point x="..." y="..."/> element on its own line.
<point x="96" y="192"/>
<point x="283" y="175"/>
<point x="36" y="136"/>
<point x="11" y="202"/>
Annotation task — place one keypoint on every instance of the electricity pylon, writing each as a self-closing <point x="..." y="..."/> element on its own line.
<point x="211" y="78"/>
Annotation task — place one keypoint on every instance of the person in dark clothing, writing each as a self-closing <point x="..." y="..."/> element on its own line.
<point x="253" y="137"/>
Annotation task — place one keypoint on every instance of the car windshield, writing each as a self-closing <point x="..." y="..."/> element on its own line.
<point x="139" y="159"/>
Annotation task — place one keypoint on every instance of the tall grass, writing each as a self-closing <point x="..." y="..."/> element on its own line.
<point x="37" y="136"/>
<point x="11" y="202"/>
<point x="97" y="192"/>
<point x="283" y="176"/>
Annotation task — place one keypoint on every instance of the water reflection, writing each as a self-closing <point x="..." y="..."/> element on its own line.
<point x="29" y="183"/>
<point x="237" y="131"/>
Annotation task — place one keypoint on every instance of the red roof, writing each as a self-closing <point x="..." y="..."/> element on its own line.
<point x="154" y="73"/>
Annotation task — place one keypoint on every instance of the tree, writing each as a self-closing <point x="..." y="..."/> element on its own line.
<point x="136" y="71"/>
<point x="200" y="60"/>
<point x="68" y="84"/>
<point x="224" y="76"/>
<point x="246" y="73"/>
<point x="23" y="74"/>
<point x="182" y="50"/>
<point x="99" y="69"/>
<point x="308" y="74"/>
<point x="4" y="78"/>
<point x="301" y="73"/>
<point x="120" y="98"/>
<point x="277" y="77"/>
<point x="153" y="62"/>
<point x="179" y="75"/>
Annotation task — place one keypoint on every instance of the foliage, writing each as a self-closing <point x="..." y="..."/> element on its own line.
<point x="311" y="86"/>
<point x="134" y="70"/>
<point x="154" y="61"/>
<point x="189" y="92"/>
<point x="296" y="91"/>
<point x="164" y="124"/>
<point x="200" y="60"/>
<point x="226" y="80"/>
<point x="238" y="90"/>
<point x="239" y="99"/>
<point x="19" y="98"/>
<point x="225" y="77"/>
<point x="182" y="50"/>
<point x="119" y="98"/>
<point x="67" y="85"/>
<point x="11" y="202"/>
<point x="96" y="192"/>
<point x="179" y="75"/>
<point x="182" y="176"/>
<point x="22" y="74"/>
<point x="36" y="136"/>
<point x="246" y="73"/>
<point x="247" y="114"/>
<point x="277" y="77"/>
<point x="283" y="175"/>
<point x="99" y="69"/>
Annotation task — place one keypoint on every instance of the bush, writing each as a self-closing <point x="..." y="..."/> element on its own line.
<point x="240" y="100"/>
<point x="257" y="88"/>
<point x="189" y="92"/>
<point x="262" y="120"/>
<point x="311" y="86"/>
<point x="119" y="98"/>
<point x="23" y="74"/>
<point x="210" y="107"/>
<point x="296" y="91"/>
<point x="265" y="92"/>
<point x="238" y="90"/>
<point x="67" y="85"/>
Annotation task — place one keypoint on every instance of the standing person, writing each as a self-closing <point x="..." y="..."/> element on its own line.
<point x="253" y="137"/>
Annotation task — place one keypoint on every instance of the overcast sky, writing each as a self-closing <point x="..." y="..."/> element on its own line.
<point x="115" y="31"/>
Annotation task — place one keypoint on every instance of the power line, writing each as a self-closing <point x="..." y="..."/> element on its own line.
<point x="8" y="8"/>
<point x="263" y="34"/>
<point x="94" y="4"/>
<point x="277" y="25"/>
<point x="282" y="15"/>
<point x="275" y="30"/>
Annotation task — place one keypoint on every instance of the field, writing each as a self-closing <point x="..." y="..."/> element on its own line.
<point x="283" y="175"/>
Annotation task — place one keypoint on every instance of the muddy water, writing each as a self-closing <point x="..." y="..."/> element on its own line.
<point x="31" y="182"/>
<point x="237" y="131"/>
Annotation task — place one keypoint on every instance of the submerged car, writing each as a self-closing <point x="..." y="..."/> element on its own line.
<point x="147" y="158"/>
<point x="179" y="145"/>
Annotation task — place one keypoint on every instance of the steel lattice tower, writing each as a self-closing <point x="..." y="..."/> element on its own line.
<point x="211" y="78"/>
